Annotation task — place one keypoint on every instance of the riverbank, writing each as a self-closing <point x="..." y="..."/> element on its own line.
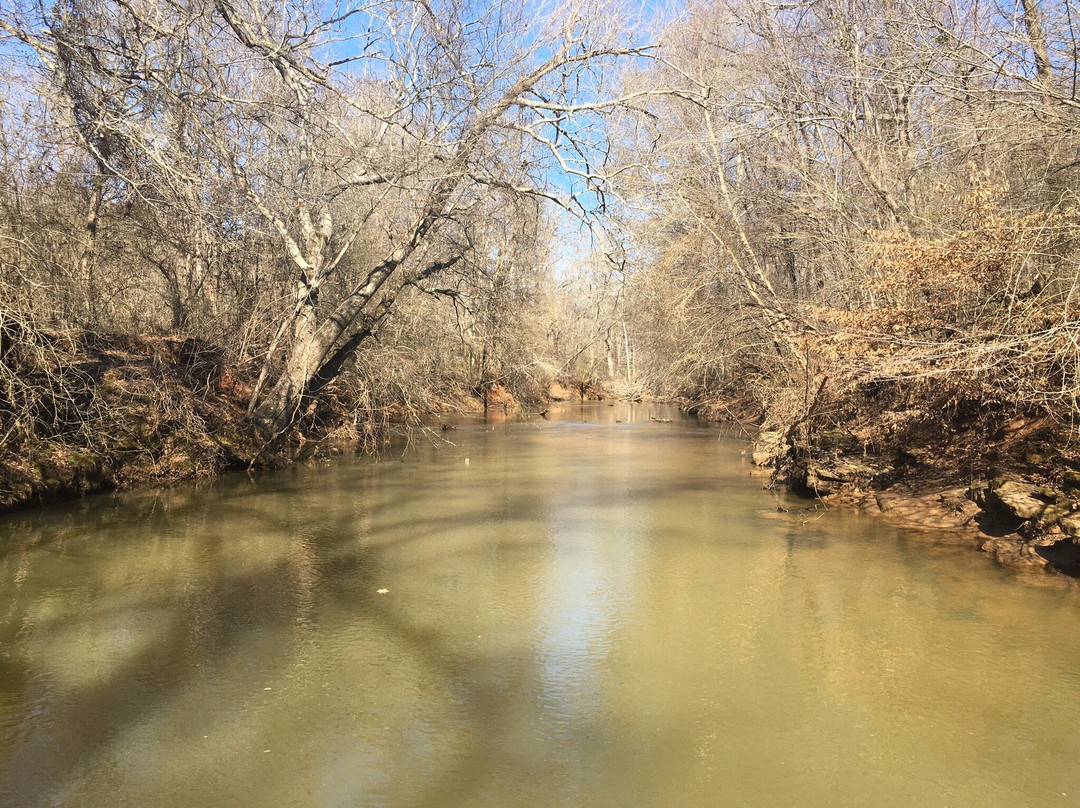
<point x="1004" y="482"/>
<point x="88" y="412"/>
<point x="83" y="412"/>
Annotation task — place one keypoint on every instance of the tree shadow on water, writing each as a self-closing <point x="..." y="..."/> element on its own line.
<point x="63" y="721"/>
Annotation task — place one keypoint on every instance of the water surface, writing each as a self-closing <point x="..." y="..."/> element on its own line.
<point x="576" y="612"/>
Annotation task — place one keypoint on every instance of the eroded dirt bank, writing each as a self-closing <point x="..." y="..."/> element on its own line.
<point x="85" y="412"/>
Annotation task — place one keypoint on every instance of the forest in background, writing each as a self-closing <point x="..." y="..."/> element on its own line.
<point x="852" y="221"/>
<point x="864" y="214"/>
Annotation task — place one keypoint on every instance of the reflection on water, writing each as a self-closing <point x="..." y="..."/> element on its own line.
<point x="598" y="610"/>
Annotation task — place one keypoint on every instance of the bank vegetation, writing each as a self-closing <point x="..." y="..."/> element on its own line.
<point x="253" y="226"/>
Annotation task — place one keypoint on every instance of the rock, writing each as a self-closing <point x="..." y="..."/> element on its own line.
<point x="766" y="448"/>
<point x="836" y="440"/>
<point x="1063" y="555"/>
<point x="1052" y="513"/>
<point x="823" y="478"/>
<point x="1013" y="553"/>
<point x="947" y="510"/>
<point x="1005" y="551"/>
<point x="1070" y="480"/>
<point x="955" y="501"/>
<point x="1071" y="526"/>
<point x="851" y="472"/>
<point x="805" y="474"/>
<point x="1014" y="498"/>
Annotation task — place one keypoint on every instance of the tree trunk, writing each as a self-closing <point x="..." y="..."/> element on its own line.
<point x="1037" y="41"/>
<point x="306" y="353"/>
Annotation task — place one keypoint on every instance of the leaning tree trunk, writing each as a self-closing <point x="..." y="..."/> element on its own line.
<point x="317" y="351"/>
<point x="285" y="400"/>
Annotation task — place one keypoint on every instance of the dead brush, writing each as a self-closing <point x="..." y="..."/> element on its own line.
<point x="44" y="393"/>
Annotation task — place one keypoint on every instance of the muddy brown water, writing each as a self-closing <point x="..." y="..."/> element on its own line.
<point x="567" y="612"/>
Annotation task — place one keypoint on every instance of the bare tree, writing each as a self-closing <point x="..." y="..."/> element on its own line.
<point x="379" y="123"/>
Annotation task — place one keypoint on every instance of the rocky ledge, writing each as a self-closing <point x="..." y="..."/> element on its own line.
<point x="1029" y="524"/>
<point x="1021" y="523"/>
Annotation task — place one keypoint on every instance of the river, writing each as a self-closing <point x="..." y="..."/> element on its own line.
<point x="597" y="609"/>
